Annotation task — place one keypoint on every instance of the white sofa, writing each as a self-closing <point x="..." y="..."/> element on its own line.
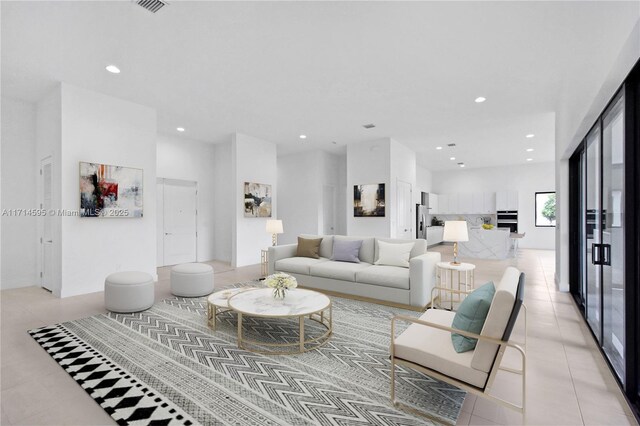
<point x="410" y="286"/>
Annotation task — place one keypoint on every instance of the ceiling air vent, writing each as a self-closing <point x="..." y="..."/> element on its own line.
<point x="451" y="144"/>
<point x="152" y="5"/>
<point x="369" y="126"/>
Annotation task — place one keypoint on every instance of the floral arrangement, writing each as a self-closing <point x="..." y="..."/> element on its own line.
<point x="280" y="283"/>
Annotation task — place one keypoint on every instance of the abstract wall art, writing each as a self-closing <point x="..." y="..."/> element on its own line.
<point x="257" y="200"/>
<point x="368" y="200"/>
<point x="110" y="191"/>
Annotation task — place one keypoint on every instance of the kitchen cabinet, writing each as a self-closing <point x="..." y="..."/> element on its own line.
<point x="434" y="235"/>
<point x="489" y="202"/>
<point x="443" y="203"/>
<point x="465" y="203"/>
<point x="478" y="203"/>
<point x="433" y="203"/>
<point x="454" y="207"/>
<point x="506" y="200"/>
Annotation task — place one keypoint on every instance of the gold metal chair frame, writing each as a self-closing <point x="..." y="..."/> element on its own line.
<point x="482" y="392"/>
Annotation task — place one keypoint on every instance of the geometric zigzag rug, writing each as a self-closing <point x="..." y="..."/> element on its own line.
<point x="164" y="366"/>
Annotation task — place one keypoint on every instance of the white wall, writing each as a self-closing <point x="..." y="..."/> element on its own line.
<point x="299" y="195"/>
<point x="301" y="178"/>
<point x="527" y="180"/>
<point x="185" y="159"/>
<point x="369" y="163"/>
<point x="19" y="171"/>
<point x="102" y="129"/>
<point x="254" y="161"/>
<point x="424" y="180"/>
<point x="224" y="199"/>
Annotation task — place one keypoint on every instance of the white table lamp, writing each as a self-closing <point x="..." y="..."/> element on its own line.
<point x="455" y="231"/>
<point x="274" y="227"/>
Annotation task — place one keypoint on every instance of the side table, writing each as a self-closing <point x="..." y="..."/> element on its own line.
<point x="455" y="277"/>
<point x="264" y="262"/>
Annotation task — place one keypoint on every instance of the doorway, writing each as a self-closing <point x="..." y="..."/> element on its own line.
<point x="404" y="225"/>
<point x="328" y="210"/>
<point x="46" y="226"/>
<point x="177" y="221"/>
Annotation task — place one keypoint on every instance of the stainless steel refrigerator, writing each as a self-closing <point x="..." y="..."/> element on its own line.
<point x="422" y="216"/>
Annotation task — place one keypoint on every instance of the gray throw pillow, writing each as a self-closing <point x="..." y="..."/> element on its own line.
<point x="346" y="251"/>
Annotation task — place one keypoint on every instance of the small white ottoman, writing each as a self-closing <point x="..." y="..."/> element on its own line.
<point x="192" y="280"/>
<point x="129" y="291"/>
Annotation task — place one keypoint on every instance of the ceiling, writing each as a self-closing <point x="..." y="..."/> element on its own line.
<point x="276" y="70"/>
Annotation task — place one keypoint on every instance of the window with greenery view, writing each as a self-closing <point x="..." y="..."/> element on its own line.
<point x="545" y="209"/>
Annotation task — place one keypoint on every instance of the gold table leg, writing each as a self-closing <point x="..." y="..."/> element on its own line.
<point x="240" y="330"/>
<point x="301" y="333"/>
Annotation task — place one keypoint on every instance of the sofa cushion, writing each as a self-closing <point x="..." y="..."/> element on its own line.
<point x="345" y="271"/>
<point x="497" y="319"/>
<point x="471" y="315"/>
<point x="308" y="247"/>
<point x="432" y="348"/>
<point x="346" y="251"/>
<point x="393" y="254"/>
<point x="297" y="265"/>
<point x="326" y="246"/>
<point x="385" y="276"/>
<point x="367" y="249"/>
<point x="419" y="248"/>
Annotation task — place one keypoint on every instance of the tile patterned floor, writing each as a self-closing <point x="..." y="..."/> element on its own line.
<point x="568" y="380"/>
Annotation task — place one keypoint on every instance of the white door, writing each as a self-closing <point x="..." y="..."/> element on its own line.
<point x="46" y="236"/>
<point x="328" y="210"/>
<point x="404" y="228"/>
<point x="179" y="221"/>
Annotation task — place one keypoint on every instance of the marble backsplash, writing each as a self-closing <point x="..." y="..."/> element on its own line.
<point x="472" y="219"/>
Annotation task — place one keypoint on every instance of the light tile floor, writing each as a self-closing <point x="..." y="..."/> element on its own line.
<point x="568" y="380"/>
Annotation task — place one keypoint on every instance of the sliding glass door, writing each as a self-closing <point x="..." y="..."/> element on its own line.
<point x="612" y="257"/>
<point x="593" y="231"/>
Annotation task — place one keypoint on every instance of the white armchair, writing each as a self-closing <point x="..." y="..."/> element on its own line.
<point x="426" y="344"/>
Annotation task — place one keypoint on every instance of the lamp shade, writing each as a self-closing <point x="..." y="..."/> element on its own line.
<point x="455" y="230"/>
<point x="274" y="226"/>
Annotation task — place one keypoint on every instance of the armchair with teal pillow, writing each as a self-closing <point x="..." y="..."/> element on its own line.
<point x="471" y="315"/>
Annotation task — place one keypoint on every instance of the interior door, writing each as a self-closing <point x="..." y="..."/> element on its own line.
<point x="593" y="225"/>
<point x="404" y="228"/>
<point x="613" y="283"/>
<point x="46" y="238"/>
<point x="328" y="210"/>
<point x="180" y="221"/>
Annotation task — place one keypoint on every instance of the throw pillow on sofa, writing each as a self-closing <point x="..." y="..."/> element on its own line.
<point x="471" y="316"/>
<point x="346" y="251"/>
<point x="392" y="254"/>
<point x="308" y="247"/>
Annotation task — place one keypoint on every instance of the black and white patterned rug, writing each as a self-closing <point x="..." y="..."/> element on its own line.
<point x="164" y="366"/>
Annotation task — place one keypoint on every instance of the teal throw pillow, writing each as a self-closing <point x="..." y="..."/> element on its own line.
<point x="471" y="316"/>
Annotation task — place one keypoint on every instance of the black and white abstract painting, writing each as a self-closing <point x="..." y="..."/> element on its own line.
<point x="257" y="200"/>
<point x="368" y="200"/>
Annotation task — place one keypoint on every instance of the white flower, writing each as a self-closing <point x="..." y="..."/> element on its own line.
<point x="280" y="281"/>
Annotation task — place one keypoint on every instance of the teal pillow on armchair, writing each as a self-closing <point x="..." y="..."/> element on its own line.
<point x="471" y="316"/>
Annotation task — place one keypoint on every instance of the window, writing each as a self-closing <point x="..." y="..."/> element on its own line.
<point x="546" y="209"/>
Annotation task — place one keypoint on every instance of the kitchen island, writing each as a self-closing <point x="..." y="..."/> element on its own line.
<point x="486" y="244"/>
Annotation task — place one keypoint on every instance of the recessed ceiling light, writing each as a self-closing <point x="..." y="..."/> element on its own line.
<point x="529" y="159"/>
<point x="530" y="135"/>
<point x="438" y="147"/>
<point x="452" y="158"/>
<point x="180" y="129"/>
<point x="529" y="149"/>
<point x="461" y="165"/>
<point x="113" y="69"/>
<point x="480" y="99"/>
<point x="303" y="136"/>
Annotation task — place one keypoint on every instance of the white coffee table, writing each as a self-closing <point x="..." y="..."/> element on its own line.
<point x="298" y="304"/>
<point x="218" y="303"/>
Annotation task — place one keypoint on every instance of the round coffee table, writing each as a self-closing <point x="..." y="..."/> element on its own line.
<point x="298" y="304"/>
<point x="218" y="303"/>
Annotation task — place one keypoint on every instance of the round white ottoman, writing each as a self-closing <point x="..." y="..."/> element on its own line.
<point x="129" y="291"/>
<point x="192" y="280"/>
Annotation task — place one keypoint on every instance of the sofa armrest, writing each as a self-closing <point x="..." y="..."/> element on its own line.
<point x="422" y="277"/>
<point x="280" y="252"/>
